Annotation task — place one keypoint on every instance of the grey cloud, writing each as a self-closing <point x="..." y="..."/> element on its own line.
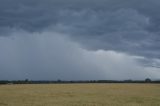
<point x="123" y="26"/>
<point x="52" y="56"/>
<point x="42" y="56"/>
<point x="124" y="30"/>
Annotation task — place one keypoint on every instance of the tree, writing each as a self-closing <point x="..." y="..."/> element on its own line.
<point x="26" y="81"/>
<point x="148" y="80"/>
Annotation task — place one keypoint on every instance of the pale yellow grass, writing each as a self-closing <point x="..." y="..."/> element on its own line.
<point x="80" y="95"/>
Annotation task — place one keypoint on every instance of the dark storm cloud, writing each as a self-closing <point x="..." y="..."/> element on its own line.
<point x="51" y="56"/>
<point x="126" y="30"/>
<point x="124" y="25"/>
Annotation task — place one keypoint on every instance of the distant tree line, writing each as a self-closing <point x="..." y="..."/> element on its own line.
<point x="26" y="81"/>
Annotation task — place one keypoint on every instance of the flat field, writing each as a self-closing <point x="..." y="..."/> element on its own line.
<point x="80" y="95"/>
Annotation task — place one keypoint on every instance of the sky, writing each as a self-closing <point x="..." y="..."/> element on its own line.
<point x="79" y="39"/>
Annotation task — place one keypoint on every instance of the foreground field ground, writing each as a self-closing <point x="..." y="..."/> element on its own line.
<point x="80" y="95"/>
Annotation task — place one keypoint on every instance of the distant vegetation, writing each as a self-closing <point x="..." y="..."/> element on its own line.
<point x="26" y="81"/>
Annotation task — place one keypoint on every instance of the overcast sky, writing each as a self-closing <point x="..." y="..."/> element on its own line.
<point x="79" y="39"/>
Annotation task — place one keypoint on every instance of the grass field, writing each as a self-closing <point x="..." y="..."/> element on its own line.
<point x="80" y="95"/>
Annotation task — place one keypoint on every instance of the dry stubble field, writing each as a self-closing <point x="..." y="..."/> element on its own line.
<point x="80" y="95"/>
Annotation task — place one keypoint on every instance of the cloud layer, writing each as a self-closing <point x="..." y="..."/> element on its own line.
<point x="51" y="55"/>
<point x="79" y="39"/>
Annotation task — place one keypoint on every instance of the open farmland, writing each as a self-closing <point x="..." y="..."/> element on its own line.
<point x="80" y="95"/>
